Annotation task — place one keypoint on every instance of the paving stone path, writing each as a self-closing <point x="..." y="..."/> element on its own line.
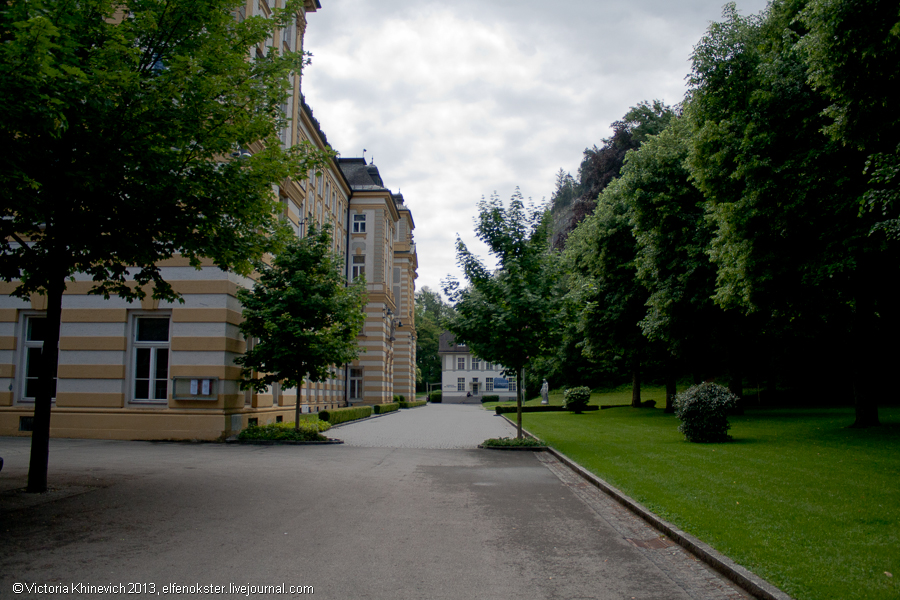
<point x="406" y="509"/>
<point x="432" y="426"/>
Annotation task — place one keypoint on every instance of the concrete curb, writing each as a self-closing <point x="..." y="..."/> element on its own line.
<point x="747" y="580"/>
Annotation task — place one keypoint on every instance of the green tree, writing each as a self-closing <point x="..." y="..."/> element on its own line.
<point x="431" y="312"/>
<point x="788" y="244"/>
<point x="508" y="315"/>
<point x="601" y="255"/>
<point x="124" y="124"/>
<point x="673" y="239"/>
<point x="301" y="315"/>
<point x="852" y="50"/>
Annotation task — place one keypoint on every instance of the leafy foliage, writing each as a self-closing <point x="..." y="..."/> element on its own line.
<point x="342" y="415"/>
<point x="703" y="411"/>
<point x="524" y="442"/>
<point x="519" y="299"/>
<point x="383" y="409"/>
<point x="303" y="316"/>
<point x="129" y="120"/>
<point x="576" y="399"/>
<point x="306" y="431"/>
<point x="431" y="311"/>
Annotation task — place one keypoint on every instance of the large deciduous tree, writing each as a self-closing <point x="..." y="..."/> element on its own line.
<point x="302" y="316"/>
<point x="508" y="315"/>
<point x="124" y="125"/>
<point x="789" y="242"/>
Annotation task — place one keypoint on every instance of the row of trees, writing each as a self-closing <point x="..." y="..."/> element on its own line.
<point x="750" y="231"/>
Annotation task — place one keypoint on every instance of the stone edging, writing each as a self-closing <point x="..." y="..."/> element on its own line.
<point x="515" y="448"/>
<point x="749" y="581"/>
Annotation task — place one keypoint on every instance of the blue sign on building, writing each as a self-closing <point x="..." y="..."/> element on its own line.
<point x="500" y="384"/>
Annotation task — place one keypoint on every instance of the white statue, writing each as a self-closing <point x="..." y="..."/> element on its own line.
<point x="545" y="393"/>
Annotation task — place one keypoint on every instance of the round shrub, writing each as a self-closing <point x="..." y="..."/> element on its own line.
<point x="576" y="399"/>
<point x="703" y="410"/>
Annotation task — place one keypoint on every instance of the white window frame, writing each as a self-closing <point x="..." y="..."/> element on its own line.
<point x="460" y="363"/>
<point x="476" y="363"/>
<point x="359" y="223"/>
<point x="356" y="383"/>
<point x="489" y="384"/>
<point x="24" y="361"/>
<point x="155" y="347"/>
<point x="357" y="267"/>
<point x="460" y="384"/>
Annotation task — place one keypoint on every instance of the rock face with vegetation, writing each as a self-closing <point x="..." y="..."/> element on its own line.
<point x="703" y="410"/>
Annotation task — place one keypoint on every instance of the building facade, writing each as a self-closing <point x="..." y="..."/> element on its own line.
<point x="465" y="375"/>
<point x="160" y="370"/>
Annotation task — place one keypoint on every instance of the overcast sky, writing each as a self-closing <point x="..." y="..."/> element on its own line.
<point x="457" y="100"/>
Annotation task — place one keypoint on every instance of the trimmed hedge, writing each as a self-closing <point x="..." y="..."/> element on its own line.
<point x="435" y="397"/>
<point x="500" y="410"/>
<point x="490" y="398"/>
<point x="342" y="415"/>
<point x="381" y="409"/>
<point x="309" y="432"/>
<point x="703" y="410"/>
<point x="399" y="398"/>
<point x="576" y="399"/>
<point x="413" y="404"/>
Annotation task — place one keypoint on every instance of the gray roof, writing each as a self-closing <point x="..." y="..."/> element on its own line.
<point x="446" y="343"/>
<point x="359" y="175"/>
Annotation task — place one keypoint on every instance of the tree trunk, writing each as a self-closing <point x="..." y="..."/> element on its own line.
<point x="40" y="435"/>
<point x="670" y="386"/>
<point x="520" y="391"/>
<point x="636" y="385"/>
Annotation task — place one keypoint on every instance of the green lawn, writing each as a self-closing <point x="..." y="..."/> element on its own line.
<point x="797" y="497"/>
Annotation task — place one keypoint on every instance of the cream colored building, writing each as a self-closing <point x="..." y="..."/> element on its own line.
<point x="159" y="370"/>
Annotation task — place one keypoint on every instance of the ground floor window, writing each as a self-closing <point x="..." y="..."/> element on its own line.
<point x="489" y="384"/>
<point x="151" y="359"/>
<point x="512" y="384"/>
<point x="461" y="384"/>
<point x="34" y="344"/>
<point x="356" y="383"/>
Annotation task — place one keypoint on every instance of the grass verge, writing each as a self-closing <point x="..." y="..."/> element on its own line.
<point x="797" y="497"/>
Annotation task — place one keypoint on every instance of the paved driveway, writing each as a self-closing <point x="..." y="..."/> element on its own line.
<point x="431" y="426"/>
<point x="353" y="521"/>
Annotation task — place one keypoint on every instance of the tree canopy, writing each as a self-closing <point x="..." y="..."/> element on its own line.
<point x="508" y="315"/>
<point x="302" y="316"/>
<point x="126" y="127"/>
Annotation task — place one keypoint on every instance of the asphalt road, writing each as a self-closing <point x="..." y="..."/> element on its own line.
<point x="369" y="519"/>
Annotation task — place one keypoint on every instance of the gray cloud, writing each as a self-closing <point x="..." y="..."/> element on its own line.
<point x="458" y="100"/>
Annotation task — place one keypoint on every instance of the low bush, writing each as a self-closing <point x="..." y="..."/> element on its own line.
<point x="525" y="442"/>
<point x="342" y="415"/>
<point x="500" y="410"/>
<point x="435" y="397"/>
<point x="399" y="398"/>
<point x="703" y="410"/>
<point x="490" y="398"/>
<point x="576" y="399"/>
<point x="380" y="409"/>
<point x="307" y="432"/>
<point x="413" y="404"/>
